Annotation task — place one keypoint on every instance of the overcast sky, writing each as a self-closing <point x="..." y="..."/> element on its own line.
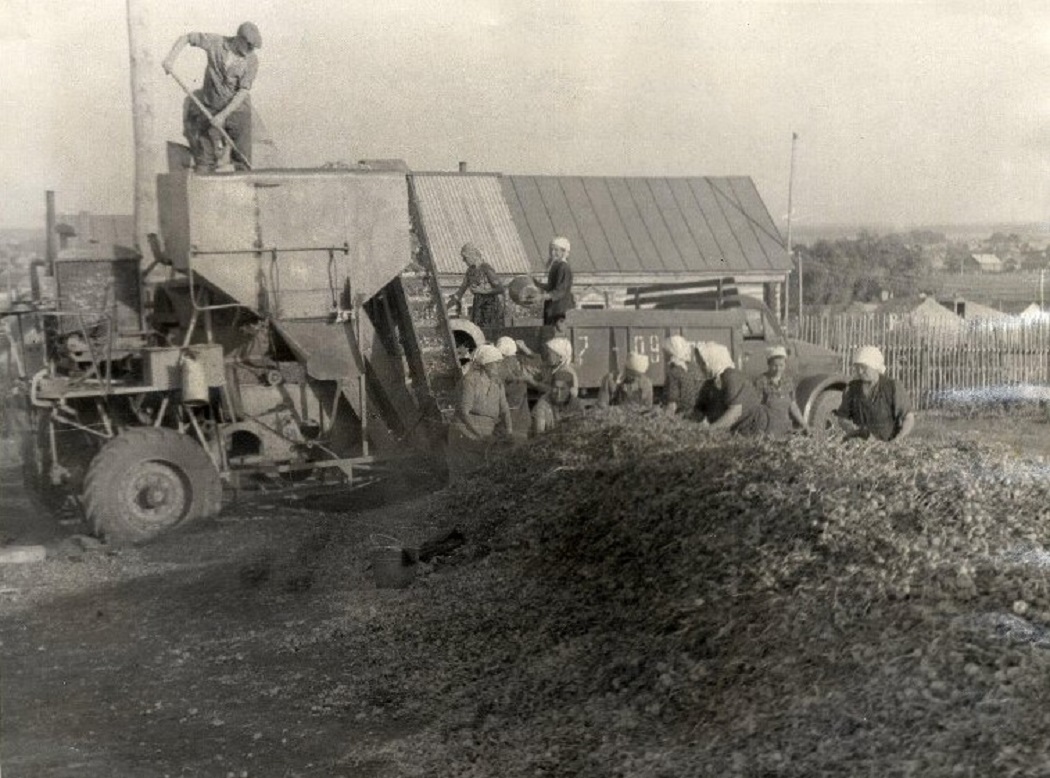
<point x="907" y="113"/>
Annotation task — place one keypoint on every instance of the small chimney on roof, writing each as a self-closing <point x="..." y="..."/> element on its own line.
<point x="462" y="167"/>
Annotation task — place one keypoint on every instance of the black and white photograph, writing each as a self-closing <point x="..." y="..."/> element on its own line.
<point x="574" y="389"/>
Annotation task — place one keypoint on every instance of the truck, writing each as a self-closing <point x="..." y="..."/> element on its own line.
<point x="602" y="339"/>
<point x="300" y="334"/>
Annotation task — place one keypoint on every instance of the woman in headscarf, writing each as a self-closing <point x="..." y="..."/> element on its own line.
<point x="484" y="283"/>
<point x="516" y="386"/>
<point x="556" y="405"/>
<point x="481" y="410"/>
<point x="876" y="405"/>
<point x="777" y="392"/>
<point x="632" y="389"/>
<point x="683" y="378"/>
<point x="557" y="356"/>
<point x="727" y="400"/>
<point x="557" y="289"/>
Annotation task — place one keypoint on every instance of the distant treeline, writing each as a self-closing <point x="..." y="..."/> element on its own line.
<point x="864" y="267"/>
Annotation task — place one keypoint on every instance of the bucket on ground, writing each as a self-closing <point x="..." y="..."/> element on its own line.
<point x="393" y="566"/>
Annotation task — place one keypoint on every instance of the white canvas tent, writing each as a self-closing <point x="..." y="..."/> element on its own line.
<point x="1034" y="313"/>
<point x="931" y="312"/>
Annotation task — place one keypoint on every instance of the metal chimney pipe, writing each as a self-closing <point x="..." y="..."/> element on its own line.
<point x="52" y="252"/>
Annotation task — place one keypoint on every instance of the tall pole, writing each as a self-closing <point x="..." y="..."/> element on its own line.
<point x="50" y="221"/>
<point x="790" y="249"/>
<point x="146" y="154"/>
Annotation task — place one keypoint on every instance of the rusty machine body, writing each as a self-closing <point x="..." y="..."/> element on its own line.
<point x="302" y="333"/>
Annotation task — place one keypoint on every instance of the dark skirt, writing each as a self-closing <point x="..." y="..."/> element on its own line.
<point x="488" y="309"/>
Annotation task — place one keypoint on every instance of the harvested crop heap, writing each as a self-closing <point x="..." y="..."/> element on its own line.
<point x="639" y="598"/>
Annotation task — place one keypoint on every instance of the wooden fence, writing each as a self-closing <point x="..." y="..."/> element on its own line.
<point x="937" y="360"/>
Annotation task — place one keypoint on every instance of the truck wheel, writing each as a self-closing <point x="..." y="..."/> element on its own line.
<point x="822" y="419"/>
<point x="147" y="480"/>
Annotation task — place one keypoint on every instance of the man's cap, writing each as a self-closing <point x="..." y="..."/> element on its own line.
<point x="250" y="34"/>
<point x="775" y="352"/>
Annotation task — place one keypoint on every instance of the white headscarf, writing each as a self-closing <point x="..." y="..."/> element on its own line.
<point x="561" y="243"/>
<point x="716" y="358"/>
<point x="562" y="349"/>
<point x="487" y="354"/>
<point x="638" y="363"/>
<point x="678" y="350"/>
<point x="871" y="357"/>
<point x="507" y="347"/>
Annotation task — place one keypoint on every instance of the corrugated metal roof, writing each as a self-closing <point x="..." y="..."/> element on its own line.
<point x="457" y="208"/>
<point x="648" y="225"/>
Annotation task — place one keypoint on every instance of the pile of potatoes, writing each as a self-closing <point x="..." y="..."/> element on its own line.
<point x="640" y="597"/>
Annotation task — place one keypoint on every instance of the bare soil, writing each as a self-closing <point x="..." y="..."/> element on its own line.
<point x="207" y="652"/>
<point x="164" y="660"/>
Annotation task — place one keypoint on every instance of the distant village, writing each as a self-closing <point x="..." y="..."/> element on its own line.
<point x="1002" y="274"/>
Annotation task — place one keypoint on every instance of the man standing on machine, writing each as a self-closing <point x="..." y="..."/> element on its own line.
<point x="222" y="105"/>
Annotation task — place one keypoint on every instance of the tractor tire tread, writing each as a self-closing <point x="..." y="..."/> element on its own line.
<point x="134" y="445"/>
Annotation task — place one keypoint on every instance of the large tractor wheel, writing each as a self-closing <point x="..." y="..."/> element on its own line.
<point x="147" y="480"/>
<point x="822" y="420"/>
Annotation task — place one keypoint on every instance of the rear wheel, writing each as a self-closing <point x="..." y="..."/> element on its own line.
<point x="822" y="419"/>
<point x="148" y="480"/>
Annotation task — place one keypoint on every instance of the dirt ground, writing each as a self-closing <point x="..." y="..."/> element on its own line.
<point x="163" y="660"/>
<point x="181" y="657"/>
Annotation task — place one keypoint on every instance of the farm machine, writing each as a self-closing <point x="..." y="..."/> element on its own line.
<point x="301" y="334"/>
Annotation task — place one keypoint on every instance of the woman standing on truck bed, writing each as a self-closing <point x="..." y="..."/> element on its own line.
<point x="727" y="400"/>
<point x="557" y="290"/>
<point x="484" y="283"/>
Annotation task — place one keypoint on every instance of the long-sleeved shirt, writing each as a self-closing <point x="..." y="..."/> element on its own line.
<point x="682" y="385"/>
<point x="559" y="287"/>
<point x="480" y="279"/>
<point x="632" y="392"/>
<point x="482" y="401"/>
<point x="718" y="395"/>
<point x="881" y="412"/>
<point x="546" y="413"/>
